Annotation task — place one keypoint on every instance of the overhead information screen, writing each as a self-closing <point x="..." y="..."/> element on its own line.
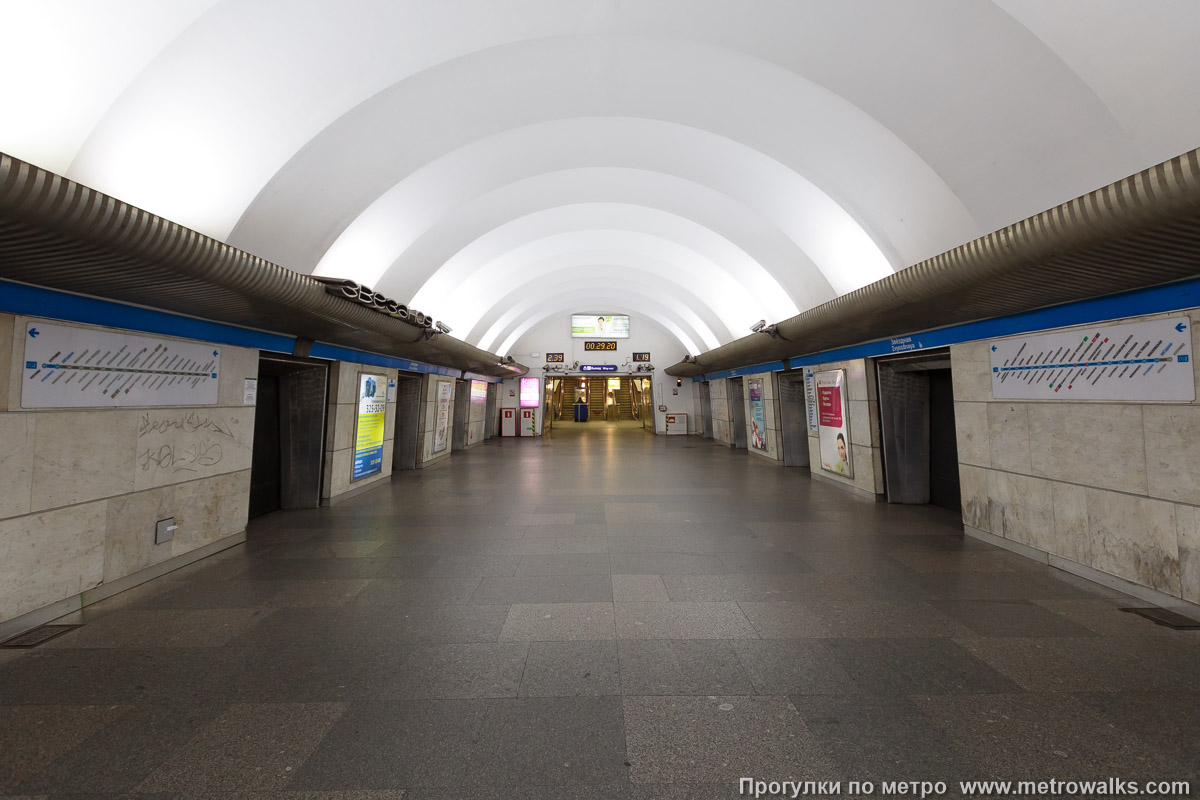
<point x="599" y="326"/>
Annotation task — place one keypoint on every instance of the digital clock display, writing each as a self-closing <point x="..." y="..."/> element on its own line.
<point x="555" y="358"/>
<point x="599" y="345"/>
<point x="641" y="356"/>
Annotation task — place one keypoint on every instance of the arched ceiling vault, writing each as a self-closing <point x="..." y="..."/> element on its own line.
<point x="694" y="160"/>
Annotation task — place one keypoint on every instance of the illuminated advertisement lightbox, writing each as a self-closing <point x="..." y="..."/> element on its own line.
<point x="478" y="391"/>
<point x="530" y="392"/>
<point x="599" y="326"/>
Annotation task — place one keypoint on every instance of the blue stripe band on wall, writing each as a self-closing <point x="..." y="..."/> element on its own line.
<point x="36" y="301"/>
<point x="335" y="352"/>
<point x="1141" y="302"/>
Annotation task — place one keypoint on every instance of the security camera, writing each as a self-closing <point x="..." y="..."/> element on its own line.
<point x="758" y="326"/>
<point x="443" y="327"/>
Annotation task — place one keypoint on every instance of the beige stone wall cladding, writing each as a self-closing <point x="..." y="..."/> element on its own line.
<point x="340" y="430"/>
<point x="428" y="420"/>
<point x="865" y="443"/>
<point x="774" y="451"/>
<point x="1114" y="486"/>
<point x="83" y="488"/>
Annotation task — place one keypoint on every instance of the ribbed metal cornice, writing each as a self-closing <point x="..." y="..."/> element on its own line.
<point x="59" y="234"/>
<point x="1138" y="232"/>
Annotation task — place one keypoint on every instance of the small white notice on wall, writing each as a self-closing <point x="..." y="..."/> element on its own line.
<point x="391" y="390"/>
<point x="67" y="367"/>
<point x="1133" y="361"/>
<point x="250" y="391"/>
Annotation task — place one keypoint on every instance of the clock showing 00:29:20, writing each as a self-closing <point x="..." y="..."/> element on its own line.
<point x="599" y="345"/>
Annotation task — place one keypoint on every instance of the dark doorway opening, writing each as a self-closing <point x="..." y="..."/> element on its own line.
<point x="408" y="410"/>
<point x="289" y="434"/>
<point x="920" y="446"/>
<point x="706" y="423"/>
<point x="944" y="488"/>
<point x="737" y="414"/>
<point x="793" y="414"/>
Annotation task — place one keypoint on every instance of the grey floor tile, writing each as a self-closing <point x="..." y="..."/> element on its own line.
<point x="1036" y="665"/>
<point x="1042" y="734"/>
<point x="550" y="741"/>
<point x="681" y="667"/>
<point x="122" y="754"/>
<point x="249" y="747"/>
<point x="461" y="671"/>
<point x="381" y="745"/>
<point x="316" y="594"/>
<point x="759" y="563"/>
<point x="137" y="628"/>
<point x="718" y="739"/>
<point x="418" y="592"/>
<point x="909" y="666"/>
<point x="682" y="621"/>
<point x="549" y="589"/>
<point x="665" y="564"/>
<point x="884" y="619"/>
<point x="884" y="739"/>
<point x="578" y="564"/>
<point x="639" y="588"/>
<point x="1002" y="618"/>
<point x="32" y="737"/>
<point x="571" y="669"/>
<point x="474" y="566"/>
<point x="558" y="622"/>
<point x="793" y="666"/>
<point x="784" y="620"/>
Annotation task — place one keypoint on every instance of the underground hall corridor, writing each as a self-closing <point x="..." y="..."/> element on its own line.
<point x="598" y="613"/>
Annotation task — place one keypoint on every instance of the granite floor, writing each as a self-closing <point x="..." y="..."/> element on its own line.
<point x="598" y="614"/>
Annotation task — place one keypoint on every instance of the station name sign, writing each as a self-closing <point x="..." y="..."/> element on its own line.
<point x="598" y="368"/>
<point x="599" y="345"/>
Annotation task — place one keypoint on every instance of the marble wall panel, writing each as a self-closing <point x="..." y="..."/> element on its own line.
<point x="1071" y="530"/>
<point x="50" y="555"/>
<point x="1134" y="538"/>
<point x="1021" y="508"/>
<point x="83" y="455"/>
<point x="182" y="444"/>
<point x="1173" y="452"/>
<point x="17" y="442"/>
<point x="1187" y="518"/>
<point x="210" y="509"/>
<point x="1095" y="444"/>
<point x="971" y="429"/>
<point x="129" y="531"/>
<point x="974" y="485"/>
<point x="971" y="372"/>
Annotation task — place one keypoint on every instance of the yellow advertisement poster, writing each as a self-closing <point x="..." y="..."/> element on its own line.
<point x="368" y="431"/>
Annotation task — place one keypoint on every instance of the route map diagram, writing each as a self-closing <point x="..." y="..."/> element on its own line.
<point x="67" y="367"/>
<point x="1134" y="361"/>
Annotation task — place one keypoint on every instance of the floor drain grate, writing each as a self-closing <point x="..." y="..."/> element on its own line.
<point x="1161" y="616"/>
<point x="37" y="636"/>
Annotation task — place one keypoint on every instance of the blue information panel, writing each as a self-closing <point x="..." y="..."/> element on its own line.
<point x="598" y="368"/>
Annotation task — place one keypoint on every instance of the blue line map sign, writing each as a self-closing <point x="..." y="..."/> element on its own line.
<point x="68" y="367"/>
<point x="1134" y="361"/>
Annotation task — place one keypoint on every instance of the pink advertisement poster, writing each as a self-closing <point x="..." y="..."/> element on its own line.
<point x="833" y="428"/>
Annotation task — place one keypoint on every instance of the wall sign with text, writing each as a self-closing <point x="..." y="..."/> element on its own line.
<point x="834" y="423"/>
<point x="368" y="425"/>
<point x="599" y="345"/>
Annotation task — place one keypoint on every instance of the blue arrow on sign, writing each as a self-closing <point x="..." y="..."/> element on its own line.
<point x="34" y="332"/>
<point x="993" y="348"/>
<point x="1181" y="327"/>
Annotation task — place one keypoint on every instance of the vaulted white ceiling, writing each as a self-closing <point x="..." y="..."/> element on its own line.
<point x="702" y="163"/>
